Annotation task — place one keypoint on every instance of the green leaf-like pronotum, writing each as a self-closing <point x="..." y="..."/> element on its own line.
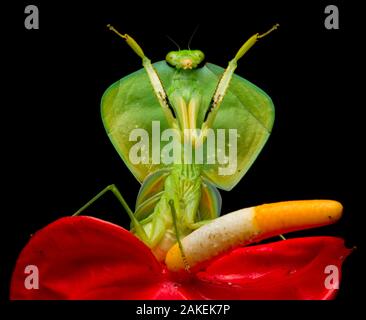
<point x="248" y="109"/>
<point x="218" y="124"/>
<point x="130" y="103"/>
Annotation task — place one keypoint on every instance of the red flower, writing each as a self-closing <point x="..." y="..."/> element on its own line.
<point x="88" y="258"/>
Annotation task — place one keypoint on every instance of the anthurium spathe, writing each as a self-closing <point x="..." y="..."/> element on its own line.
<point x="88" y="258"/>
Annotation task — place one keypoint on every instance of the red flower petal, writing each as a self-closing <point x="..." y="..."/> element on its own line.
<point x="289" y="269"/>
<point x="88" y="258"/>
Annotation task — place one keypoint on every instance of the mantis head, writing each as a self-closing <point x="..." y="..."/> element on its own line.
<point x="185" y="59"/>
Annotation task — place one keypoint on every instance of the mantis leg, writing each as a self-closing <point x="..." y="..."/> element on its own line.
<point x="174" y="215"/>
<point x="137" y="226"/>
<point x="153" y="76"/>
<point x="226" y="77"/>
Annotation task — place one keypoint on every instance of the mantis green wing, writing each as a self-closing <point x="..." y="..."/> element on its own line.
<point x="250" y="111"/>
<point x="131" y="104"/>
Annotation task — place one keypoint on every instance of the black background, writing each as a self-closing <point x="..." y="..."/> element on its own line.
<point x="57" y="155"/>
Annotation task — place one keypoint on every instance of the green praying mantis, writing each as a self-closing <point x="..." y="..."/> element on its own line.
<point x="195" y="107"/>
